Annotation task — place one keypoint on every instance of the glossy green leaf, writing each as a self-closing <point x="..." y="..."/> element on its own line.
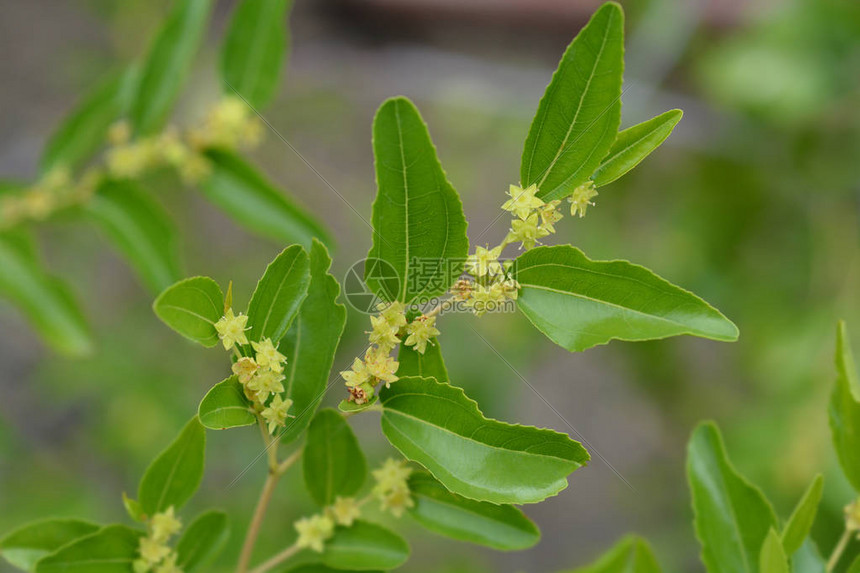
<point x="311" y="342"/>
<point x="254" y="202"/>
<point x="438" y="426"/>
<point x="845" y="409"/>
<point x="634" y="144"/>
<point x="112" y="549"/>
<point x="175" y="474"/>
<point x="29" y="543"/>
<point x="501" y="527"/>
<point x="225" y="406"/>
<point x="167" y="63"/>
<point x="579" y="303"/>
<point x="334" y="464"/>
<point x="348" y="407"/>
<point x="279" y="294"/>
<point x="800" y="522"/>
<point x="578" y="116"/>
<point x="45" y="301"/>
<point x="808" y="560"/>
<point x="254" y="49"/>
<point x="772" y="558"/>
<point x="365" y="546"/>
<point x="191" y="307"/>
<point x="732" y="517"/>
<point x="420" y="229"/>
<point x="132" y="508"/>
<point x="428" y="365"/>
<point x="140" y="229"/>
<point x="855" y="566"/>
<point x="202" y="540"/>
<point x="630" y="555"/>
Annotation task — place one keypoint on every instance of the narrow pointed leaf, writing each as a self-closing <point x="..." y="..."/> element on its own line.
<point x="140" y="229"/>
<point x="634" y="144"/>
<point x="279" y="294"/>
<point x="110" y="550"/>
<point x="254" y="49"/>
<point x="365" y="546"/>
<point x="192" y="307"/>
<point x="630" y="555"/>
<point x="845" y="409"/>
<point x="732" y="517"/>
<point x="439" y="427"/>
<point x="772" y="558"/>
<point x="175" y="474"/>
<point x="334" y="464"/>
<point x="254" y="202"/>
<point x="29" y="543"/>
<point x="419" y="226"/>
<point x="428" y="365"/>
<point x="578" y="116"/>
<point x="167" y="62"/>
<point x="225" y="406"/>
<point x="579" y="303"/>
<point x="202" y="540"/>
<point x="348" y="407"/>
<point x="803" y="516"/>
<point x="501" y="527"/>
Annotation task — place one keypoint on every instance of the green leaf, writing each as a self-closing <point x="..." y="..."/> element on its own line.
<point x="29" y="543"/>
<point x="501" y="527"/>
<point x="845" y="409"/>
<point x="348" y="407"/>
<point x="167" y="64"/>
<point x="808" y="560"/>
<point x="254" y="202"/>
<point x="191" y="307"/>
<point x="428" y="365"/>
<point x="132" y="508"/>
<point x="112" y="549"/>
<point x="630" y="555"/>
<point x="579" y="303"/>
<point x="311" y="343"/>
<point x="176" y="473"/>
<point x="772" y="558"/>
<point x="578" y="116"/>
<point x="420" y="229"/>
<point x="225" y="406"/>
<point x="202" y="540"/>
<point x="855" y="566"/>
<point x="45" y="301"/>
<point x="438" y="426"/>
<point x="365" y="546"/>
<point x="140" y="229"/>
<point x="254" y="49"/>
<point x="634" y="144"/>
<point x="334" y="464"/>
<point x="732" y="517"/>
<point x="279" y="294"/>
<point x="316" y="568"/>
<point x="800" y="522"/>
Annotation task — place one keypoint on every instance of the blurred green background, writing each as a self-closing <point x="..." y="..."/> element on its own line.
<point x="753" y="203"/>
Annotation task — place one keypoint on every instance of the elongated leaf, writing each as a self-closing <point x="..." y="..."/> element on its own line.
<point x="420" y="229"/>
<point x="845" y="409"/>
<point x="334" y="464"/>
<point x="166" y="66"/>
<point x="578" y="116"/>
<point x="808" y="560"/>
<point x="254" y="49"/>
<point x="732" y="517"/>
<point x="311" y="343"/>
<point x="45" y="301"/>
<point x="498" y="526"/>
<point x="140" y="229"/>
<point x="428" y="365"/>
<point x="202" y="540"/>
<point x="772" y="558"/>
<point x="438" y="426"/>
<point x="175" y="474"/>
<point x="112" y="549"/>
<point x="579" y="303"/>
<point x="26" y="545"/>
<point x="855" y="566"/>
<point x="800" y="522"/>
<point x="365" y="546"/>
<point x="192" y="307"/>
<point x="634" y="144"/>
<point x="279" y="294"/>
<point x="630" y="555"/>
<point x="225" y="406"/>
<point x="254" y="202"/>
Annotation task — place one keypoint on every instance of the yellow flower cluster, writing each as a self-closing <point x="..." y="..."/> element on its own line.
<point x="314" y="531"/>
<point x="344" y="511"/>
<point x="156" y="555"/>
<point x="128" y="158"/>
<point x="491" y="286"/>
<point x="421" y="331"/>
<point x="581" y="198"/>
<point x="534" y="220"/>
<point x="377" y="366"/>
<point x="54" y="191"/>
<point x="230" y="124"/>
<point x="392" y="486"/>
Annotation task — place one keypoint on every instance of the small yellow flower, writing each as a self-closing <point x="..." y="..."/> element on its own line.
<point x="314" y="531"/>
<point x="421" y="330"/>
<point x="394" y="313"/>
<point x="194" y="169"/>
<point x="462" y="289"/>
<point x="484" y="262"/>
<point x="141" y="566"/>
<point x="380" y="365"/>
<point x="383" y="334"/>
<point x="168" y="565"/>
<point x="164" y="525"/>
<point x="852" y="516"/>
<point x="527" y="231"/>
<point x="266" y="382"/>
<point x="510" y="288"/>
<point x="130" y="159"/>
<point x="245" y="368"/>
<point x="231" y="329"/>
<point x="345" y="510"/>
<point x="550" y="215"/>
<point x="581" y="198"/>
<point x="275" y="413"/>
<point x="268" y="356"/>
<point x="397" y="501"/>
<point x="39" y="202"/>
<point x="522" y="201"/>
<point x="152" y="551"/>
<point x="358" y="375"/>
<point x="486" y="298"/>
<point x="392" y="475"/>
